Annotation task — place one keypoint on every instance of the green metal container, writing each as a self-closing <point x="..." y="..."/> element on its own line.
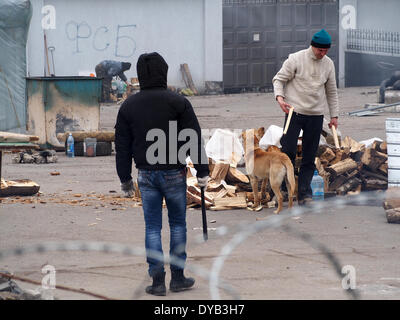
<point x="62" y="104"/>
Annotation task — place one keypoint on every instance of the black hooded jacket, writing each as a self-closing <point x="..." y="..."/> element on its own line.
<point x="158" y="115"/>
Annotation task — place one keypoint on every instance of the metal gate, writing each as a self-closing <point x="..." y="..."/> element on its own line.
<point x="259" y="35"/>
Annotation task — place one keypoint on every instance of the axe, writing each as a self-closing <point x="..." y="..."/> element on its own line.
<point x="203" y="214"/>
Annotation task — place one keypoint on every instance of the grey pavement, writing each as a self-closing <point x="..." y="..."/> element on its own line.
<point x="269" y="264"/>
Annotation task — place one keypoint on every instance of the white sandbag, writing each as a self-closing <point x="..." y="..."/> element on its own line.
<point x="224" y="145"/>
<point x="271" y="137"/>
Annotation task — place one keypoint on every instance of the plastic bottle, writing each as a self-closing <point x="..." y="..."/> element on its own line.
<point x="317" y="186"/>
<point x="70" y="146"/>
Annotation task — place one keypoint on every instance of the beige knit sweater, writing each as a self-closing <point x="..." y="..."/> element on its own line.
<point x="308" y="84"/>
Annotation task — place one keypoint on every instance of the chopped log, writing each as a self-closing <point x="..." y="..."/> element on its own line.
<point x="382" y="147"/>
<point x="336" y="183"/>
<point x="234" y="175"/>
<point x="366" y="173"/>
<point x="16" y="137"/>
<point x="383" y="168"/>
<point x="392" y="198"/>
<point x="104" y="136"/>
<point x="373" y="159"/>
<point x="340" y="155"/>
<point x="23" y="187"/>
<point x="196" y="191"/>
<point x="350" y="185"/>
<point x="393" y="215"/>
<point x="219" y="172"/>
<point x="193" y="198"/>
<point x="374" y="184"/>
<point x="356" y="156"/>
<point x="214" y="187"/>
<point x="218" y="195"/>
<point x="352" y="144"/>
<point x="342" y="167"/>
<point x="326" y="154"/>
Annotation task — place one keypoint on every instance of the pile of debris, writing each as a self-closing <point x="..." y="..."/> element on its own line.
<point x="353" y="167"/>
<point x="228" y="188"/>
<point x="29" y="156"/>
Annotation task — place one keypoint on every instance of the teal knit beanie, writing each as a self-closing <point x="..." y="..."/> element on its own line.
<point x="321" y="39"/>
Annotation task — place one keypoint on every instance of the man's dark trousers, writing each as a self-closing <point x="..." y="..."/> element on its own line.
<point x="106" y="83"/>
<point x="312" y="128"/>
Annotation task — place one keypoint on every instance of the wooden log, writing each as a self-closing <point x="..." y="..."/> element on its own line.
<point x="194" y="198"/>
<point x="350" y="185"/>
<point x="392" y="198"/>
<point x="104" y="136"/>
<point x="383" y="169"/>
<point x="373" y="159"/>
<point x="369" y="174"/>
<point x="234" y="176"/>
<point x="352" y="144"/>
<point x="17" y="137"/>
<point x="337" y="182"/>
<point x="374" y="184"/>
<point x="393" y="215"/>
<point x="342" y="167"/>
<point x="382" y="147"/>
<point x="327" y="155"/>
<point x="23" y="187"/>
<point x="196" y="191"/>
<point x="219" y="172"/>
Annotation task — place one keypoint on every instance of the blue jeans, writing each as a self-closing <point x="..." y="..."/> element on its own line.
<point x="155" y="185"/>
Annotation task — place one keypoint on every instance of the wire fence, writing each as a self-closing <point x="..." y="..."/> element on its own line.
<point x="373" y="41"/>
<point x="237" y="236"/>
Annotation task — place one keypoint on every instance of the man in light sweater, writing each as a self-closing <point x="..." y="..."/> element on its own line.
<point x="307" y="83"/>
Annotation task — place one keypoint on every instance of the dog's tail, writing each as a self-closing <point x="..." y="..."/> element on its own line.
<point x="290" y="180"/>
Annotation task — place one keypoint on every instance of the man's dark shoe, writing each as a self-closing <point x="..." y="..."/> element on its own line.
<point x="179" y="282"/>
<point x="306" y="201"/>
<point x="158" y="287"/>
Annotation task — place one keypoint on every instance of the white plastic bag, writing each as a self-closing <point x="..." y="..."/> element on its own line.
<point x="224" y="145"/>
<point x="369" y="142"/>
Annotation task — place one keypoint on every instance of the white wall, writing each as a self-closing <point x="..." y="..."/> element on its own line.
<point x="88" y="31"/>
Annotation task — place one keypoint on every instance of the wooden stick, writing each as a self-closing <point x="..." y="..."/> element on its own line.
<point x="288" y="120"/>
<point x="335" y="137"/>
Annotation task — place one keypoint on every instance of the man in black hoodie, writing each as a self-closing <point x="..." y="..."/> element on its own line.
<point x="160" y="129"/>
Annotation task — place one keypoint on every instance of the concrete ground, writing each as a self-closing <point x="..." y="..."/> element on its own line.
<point x="81" y="204"/>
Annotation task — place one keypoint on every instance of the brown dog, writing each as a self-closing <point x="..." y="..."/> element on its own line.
<point x="271" y="165"/>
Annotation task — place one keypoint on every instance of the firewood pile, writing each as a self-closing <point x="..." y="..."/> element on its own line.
<point x="353" y="168"/>
<point x="350" y="169"/>
<point x="228" y="188"/>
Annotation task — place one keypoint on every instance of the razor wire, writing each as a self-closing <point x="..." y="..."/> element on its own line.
<point x="240" y="234"/>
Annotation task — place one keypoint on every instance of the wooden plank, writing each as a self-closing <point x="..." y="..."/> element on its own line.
<point x="238" y="202"/>
<point x="187" y="77"/>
